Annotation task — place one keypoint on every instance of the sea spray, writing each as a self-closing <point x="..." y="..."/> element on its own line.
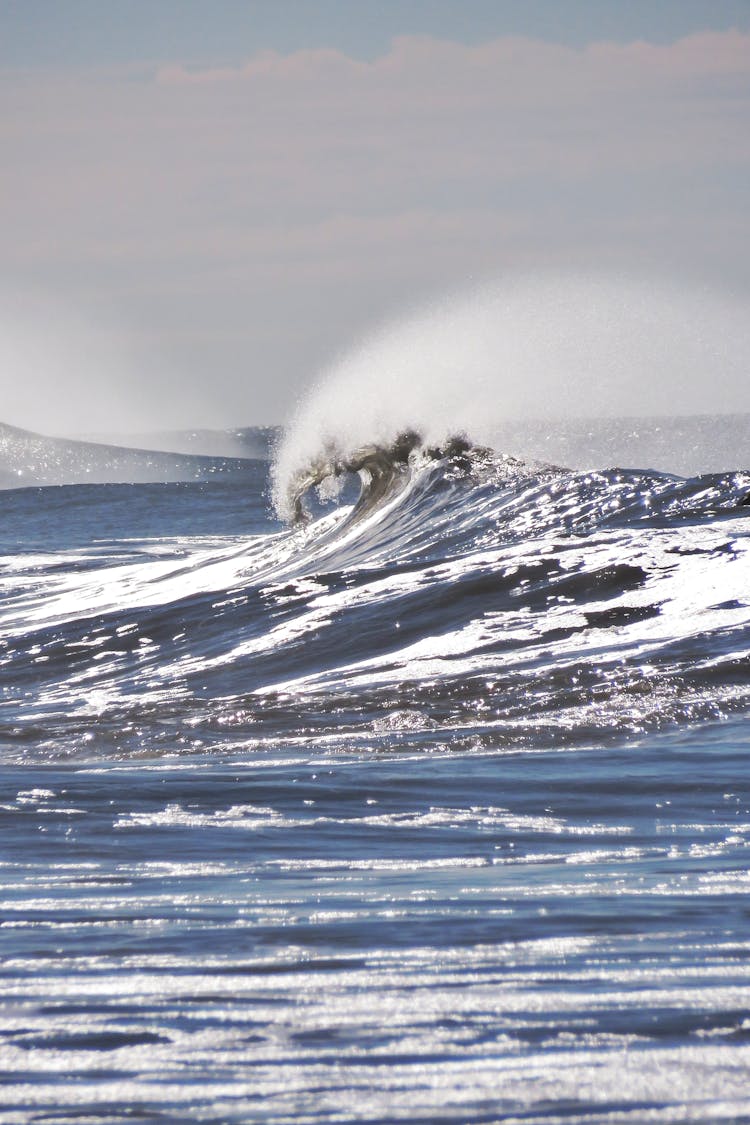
<point x="552" y="347"/>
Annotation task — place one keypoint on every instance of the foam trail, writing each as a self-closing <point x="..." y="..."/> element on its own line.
<point x="554" y="346"/>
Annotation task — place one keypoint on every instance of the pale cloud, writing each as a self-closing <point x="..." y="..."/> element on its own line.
<point x="294" y="198"/>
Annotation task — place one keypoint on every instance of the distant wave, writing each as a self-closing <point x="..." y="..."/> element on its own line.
<point x="255" y="442"/>
<point x="28" y="458"/>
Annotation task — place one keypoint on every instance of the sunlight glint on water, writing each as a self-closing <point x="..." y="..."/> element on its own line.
<point x="432" y="809"/>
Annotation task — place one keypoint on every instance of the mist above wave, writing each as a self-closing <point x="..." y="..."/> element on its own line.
<point x="528" y="361"/>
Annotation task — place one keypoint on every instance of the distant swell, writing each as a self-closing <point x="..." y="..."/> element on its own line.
<point x="29" y="459"/>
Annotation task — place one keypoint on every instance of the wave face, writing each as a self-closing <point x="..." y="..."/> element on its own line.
<point x="432" y="807"/>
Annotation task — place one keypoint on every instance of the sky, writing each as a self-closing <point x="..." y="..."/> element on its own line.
<point x="205" y="203"/>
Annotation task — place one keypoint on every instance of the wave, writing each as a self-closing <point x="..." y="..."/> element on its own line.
<point x="383" y="471"/>
<point x="465" y="598"/>
<point x="256" y="442"/>
<point x="31" y="459"/>
<point x="714" y="440"/>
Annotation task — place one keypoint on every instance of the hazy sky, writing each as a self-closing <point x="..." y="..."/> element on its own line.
<point x="203" y="202"/>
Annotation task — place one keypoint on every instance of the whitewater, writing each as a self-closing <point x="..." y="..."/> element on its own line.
<point x="398" y="773"/>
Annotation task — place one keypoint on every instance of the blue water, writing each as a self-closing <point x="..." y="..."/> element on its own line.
<point x="435" y="809"/>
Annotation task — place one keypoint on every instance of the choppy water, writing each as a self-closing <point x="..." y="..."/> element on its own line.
<point x="434" y="809"/>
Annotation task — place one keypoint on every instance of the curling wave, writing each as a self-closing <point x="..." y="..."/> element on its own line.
<point x="383" y="471"/>
<point x="547" y="367"/>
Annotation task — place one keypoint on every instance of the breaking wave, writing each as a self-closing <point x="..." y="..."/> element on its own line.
<point x="588" y="371"/>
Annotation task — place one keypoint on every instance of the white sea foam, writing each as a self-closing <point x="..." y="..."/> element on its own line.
<point x="540" y="347"/>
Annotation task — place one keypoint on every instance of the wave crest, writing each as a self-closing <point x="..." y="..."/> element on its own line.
<point x="383" y="470"/>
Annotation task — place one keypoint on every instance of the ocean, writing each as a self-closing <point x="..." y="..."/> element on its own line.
<point x="430" y="805"/>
